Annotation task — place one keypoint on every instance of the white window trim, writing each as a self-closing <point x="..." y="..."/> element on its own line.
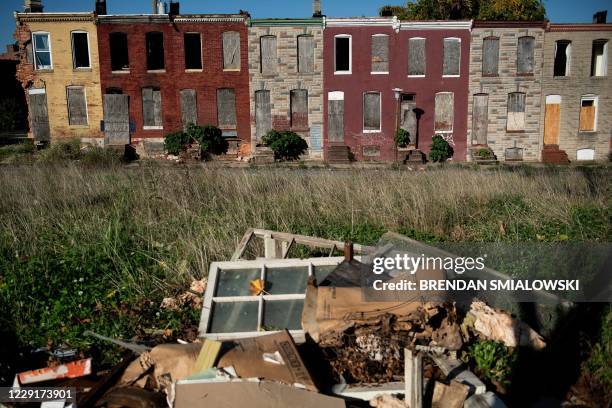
<point x="86" y="105"/>
<point x="201" y="53"/>
<point x="88" y="49"/>
<point x="568" y="58"/>
<point x="335" y="95"/>
<point x="459" y="67"/>
<point x="379" y="112"/>
<point x="595" y="99"/>
<point x="262" y="264"/>
<point x="425" y="50"/>
<point x="48" y="34"/>
<point x="152" y="127"/>
<point x="388" y="56"/>
<point x="350" y="70"/>
<point x="436" y="131"/>
<point x="604" y="68"/>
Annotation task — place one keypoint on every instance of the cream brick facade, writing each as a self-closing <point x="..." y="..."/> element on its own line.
<point x="579" y="83"/>
<point x="287" y="77"/>
<point x="498" y="87"/>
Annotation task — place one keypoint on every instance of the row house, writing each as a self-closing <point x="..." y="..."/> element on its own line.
<point x="382" y="73"/>
<point x="577" y="92"/>
<point x="505" y="89"/>
<point x="286" y="79"/>
<point x="59" y="72"/>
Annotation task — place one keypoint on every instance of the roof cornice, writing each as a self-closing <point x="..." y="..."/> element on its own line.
<point x="210" y="18"/>
<point x="54" y="17"/>
<point x="360" y="21"/>
<point x="510" y="24"/>
<point x="286" y="22"/>
<point x="436" y="25"/>
<point x="579" y="27"/>
<point x="133" y="18"/>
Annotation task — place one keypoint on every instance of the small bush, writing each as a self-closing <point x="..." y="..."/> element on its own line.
<point x="483" y="153"/>
<point x="285" y="145"/>
<point x="440" y="150"/>
<point x="209" y="137"/>
<point x="20" y="149"/>
<point x="402" y="137"/>
<point x="174" y="142"/>
<point x="599" y="364"/>
<point x="61" y="151"/>
<point x="494" y="361"/>
<point x="98" y="156"/>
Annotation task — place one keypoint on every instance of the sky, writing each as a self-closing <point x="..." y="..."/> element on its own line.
<point x="559" y="11"/>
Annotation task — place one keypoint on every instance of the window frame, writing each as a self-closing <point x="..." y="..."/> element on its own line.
<point x="86" y="105"/>
<point x="457" y="39"/>
<point x="452" y="129"/>
<point x="293" y="92"/>
<point x="350" y="56"/>
<point x="151" y="127"/>
<point x="34" y="51"/>
<point x="74" y="67"/>
<point x="227" y="34"/>
<point x="524" y="112"/>
<point x="163" y="69"/>
<point x="372" y="72"/>
<point x="379" y="130"/>
<point x="595" y="99"/>
<point x="604" y="67"/>
<point x="226" y="126"/>
<point x="568" y="61"/>
<point x="424" y="57"/>
<point x="185" y="34"/>
<point x="110" y="48"/>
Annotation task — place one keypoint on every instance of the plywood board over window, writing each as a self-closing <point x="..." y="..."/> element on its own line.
<point x="490" y="56"/>
<point x="380" y="53"/>
<point x="151" y="108"/>
<point x="588" y="114"/>
<point x="371" y="112"/>
<point x="189" y="107"/>
<point x="77" y="105"/>
<point x="269" y="58"/>
<point x="226" y="108"/>
<point x="263" y="113"/>
<point x="231" y="50"/>
<point x="480" y="119"/>
<point x="299" y="108"/>
<point x="444" y="114"/>
<point x="516" y="112"/>
<point x="416" y="57"/>
<point x="306" y="54"/>
<point x="335" y="116"/>
<point x="525" y="55"/>
<point x="452" y="57"/>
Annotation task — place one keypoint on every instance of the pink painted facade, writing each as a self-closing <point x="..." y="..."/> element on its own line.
<point x="380" y="145"/>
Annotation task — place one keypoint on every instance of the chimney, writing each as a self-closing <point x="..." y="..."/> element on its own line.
<point x="600" y="17"/>
<point x="174" y="8"/>
<point x="154" y="6"/>
<point x="33" y="6"/>
<point x="161" y="7"/>
<point x="316" y="8"/>
<point x="100" y="7"/>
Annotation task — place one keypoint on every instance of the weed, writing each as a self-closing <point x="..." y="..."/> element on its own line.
<point x="493" y="361"/>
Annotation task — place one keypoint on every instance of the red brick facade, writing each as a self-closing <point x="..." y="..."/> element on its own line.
<point x="175" y="78"/>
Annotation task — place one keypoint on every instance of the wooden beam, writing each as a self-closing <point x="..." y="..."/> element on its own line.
<point x="246" y="238"/>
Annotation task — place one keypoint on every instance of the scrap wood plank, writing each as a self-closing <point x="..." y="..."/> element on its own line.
<point x="208" y="355"/>
<point x="454" y="369"/>
<point x="246" y="238"/>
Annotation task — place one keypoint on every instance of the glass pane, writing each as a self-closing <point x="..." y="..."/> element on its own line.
<point x="236" y="282"/>
<point x="321" y="272"/>
<point x="283" y="314"/>
<point x="234" y="317"/>
<point x="41" y="42"/>
<point x="43" y="59"/>
<point x="286" y="280"/>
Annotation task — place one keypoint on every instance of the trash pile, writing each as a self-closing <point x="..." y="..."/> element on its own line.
<point x="282" y="332"/>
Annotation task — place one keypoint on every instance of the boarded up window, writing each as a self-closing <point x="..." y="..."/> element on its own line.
<point x="269" y="60"/>
<point x="342" y="54"/>
<point x="452" y="56"/>
<point x="263" y="113"/>
<point x="599" y="58"/>
<point x="231" y="50"/>
<point x="380" y="53"/>
<point x="335" y="116"/>
<point x="480" y="119"/>
<point x="226" y="108"/>
<point x="371" y="111"/>
<point x="119" y="51"/>
<point x="525" y="55"/>
<point x="39" y="115"/>
<point x="416" y="56"/>
<point x="490" y="56"/>
<point x="305" y="54"/>
<point x="444" y="117"/>
<point x="299" y="108"/>
<point x="80" y="50"/>
<point x="193" y="51"/>
<point x="516" y="111"/>
<point x="42" y="50"/>
<point x="563" y="53"/>
<point x="151" y="107"/>
<point x="588" y="114"/>
<point x="116" y="119"/>
<point x="189" y="107"/>
<point x="77" y="105"/>
<point x="155" y="51"/>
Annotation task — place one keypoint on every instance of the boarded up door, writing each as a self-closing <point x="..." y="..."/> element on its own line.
<point x="480" y="119"/>
<point x="335" y="120"/>
<point x="408" y="120"/>
<point x="116" y="119"/>
<point x="189" y="107"/>
<point x="263" y="113"/>
<point x="39" y="115"/>
<point x="551" y="121"/>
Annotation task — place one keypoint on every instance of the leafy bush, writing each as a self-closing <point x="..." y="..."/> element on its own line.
<point x="61" y="151"/>
<point x="599" y="365"/>
<point x="402" y="137"/>
<point x="209" y="137"/>
<point x="20" y="149"/>
<point x="285" y="145"/>
<point x="99" y="156"/>
<point x="440" y="150"/>
<point x="174" y="142"/>
<point x="483" y="153"/>
<point x="494" y="361"/>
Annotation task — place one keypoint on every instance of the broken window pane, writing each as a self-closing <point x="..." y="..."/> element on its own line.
<point x="444" y="115"/>
<point x="525" y="55"/>
<point x="380" y="53"/>
<point x="416" y="56"/>
<point x="234" y="317"/>
<point x="343" y="54"/>
<point x="193" y="51"/>
<point x="268" y="56"/>
<point x="516" y="111"/>
<point x="599" y="58"/>
<point x="119" y="51"/>
<point x="80" y="50"/>
<point x="299" y="108"/>
<point x="490" y="56"/>
<point x="155" y="51"/>
<point x="77" y="106"/>
<point x="452" y="56"/>
<point x="305" y="54"/>
<point x="151" y="107"/>
<point x="235" y="282"/>
<point x="562" y="58"/>
<point x="42" y="51"/>
<point x="588" y="114"/>
<point x="286" y="280"/>
<point x="371" y="111"/>
<point x="231" y="50"/>
<point x="226" y="108"/>
<point x="283" y="314"/>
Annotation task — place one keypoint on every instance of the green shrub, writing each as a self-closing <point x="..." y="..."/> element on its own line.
<point x="12" y="115"/>
<point x="20" y="149"/>
<point x="440" y="150"/>
<point x="599" y="365"/>
<point x="174" y="142"/>
<point x="285" y="145"/>
<point x="61" y="151"/>
<point x="99" y="156"/>
<point x="483" y="153"/>
<point x="209" y="137"/>
<point x="402" y="137"/>
<point x="494" y="361"/>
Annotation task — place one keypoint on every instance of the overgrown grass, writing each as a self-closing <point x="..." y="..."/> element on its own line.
<point x="98" y="248"/>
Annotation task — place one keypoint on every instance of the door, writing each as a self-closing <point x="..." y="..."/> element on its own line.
<point x="39" y="115"/>
<point x="480" y="119"/>
<point x="263" y="113"/>
<point x="335" y="116"/>
<point x="189" y="107"/>
<point x="116" y="119"/>
<point x="408" y="119"/>
<point x="551" y="120"/>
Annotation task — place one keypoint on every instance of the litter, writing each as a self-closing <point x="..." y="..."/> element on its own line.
<point x="73" y="369"/>
<point x="449" y="396"/>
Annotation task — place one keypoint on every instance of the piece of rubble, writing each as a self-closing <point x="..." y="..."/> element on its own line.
<point x="413" y="366"/>
<point x="454" y="369"/>
<point x="369" y="392"/>
<point x="486" y="400"/>
<point x="502" y="327"/>
<point x="449" y="396"/>
<point x="387" y="401"/>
